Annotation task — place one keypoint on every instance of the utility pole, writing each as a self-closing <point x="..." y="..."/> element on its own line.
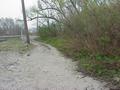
<point x="21" y="33"/>
<point x="25" y="22"/>
<point x="37" y="17"/>
<point x="37" y="22"/>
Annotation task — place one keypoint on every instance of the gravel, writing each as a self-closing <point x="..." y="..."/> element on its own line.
<point x="43" y="68"/>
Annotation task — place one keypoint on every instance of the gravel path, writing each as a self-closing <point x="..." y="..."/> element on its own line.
<point x="44" y="68"/>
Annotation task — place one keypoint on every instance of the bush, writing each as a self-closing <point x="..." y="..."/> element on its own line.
<point x="97" y="28"/>
<point x="47" y="31"/>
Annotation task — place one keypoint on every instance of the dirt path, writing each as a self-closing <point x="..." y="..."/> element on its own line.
<point x="44" y="68"/>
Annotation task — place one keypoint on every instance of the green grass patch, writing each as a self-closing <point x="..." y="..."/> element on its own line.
<point x="102" y="66"/>
<point x="15" y="44"/>
<point x="54" y="41"/>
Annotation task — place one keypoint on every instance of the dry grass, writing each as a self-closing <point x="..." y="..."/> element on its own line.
<point x="14" y="44"/>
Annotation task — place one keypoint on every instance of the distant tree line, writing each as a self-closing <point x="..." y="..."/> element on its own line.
<point x="9" y="26"/>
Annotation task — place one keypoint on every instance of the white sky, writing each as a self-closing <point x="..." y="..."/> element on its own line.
<point x="12" y="8"/>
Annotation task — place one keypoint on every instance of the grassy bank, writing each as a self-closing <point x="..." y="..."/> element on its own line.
<point x="101" y="66"/>
<point x="14" y="44"/>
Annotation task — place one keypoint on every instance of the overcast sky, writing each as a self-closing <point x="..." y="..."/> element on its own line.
<point x="12" y="8"/>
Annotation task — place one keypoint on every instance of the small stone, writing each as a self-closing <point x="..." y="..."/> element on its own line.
<point x="117" y="79"/>
<point x="28" y="54"/>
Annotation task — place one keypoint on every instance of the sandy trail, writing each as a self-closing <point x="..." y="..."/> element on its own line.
<point x="43" y="69"/>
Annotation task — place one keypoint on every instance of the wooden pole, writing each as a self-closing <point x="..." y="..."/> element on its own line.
<point x="37" y="22"/>
<point x="25" y="22"/>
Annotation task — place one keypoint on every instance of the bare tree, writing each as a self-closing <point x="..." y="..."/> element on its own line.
<point x="9" y="26"/>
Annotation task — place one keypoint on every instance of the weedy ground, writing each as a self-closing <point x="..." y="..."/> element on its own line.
<point x="15" y="44"/>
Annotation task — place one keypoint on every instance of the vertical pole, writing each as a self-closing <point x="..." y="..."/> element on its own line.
<point x="21" y="34"/>
<point x="37" y="22"/>
<point x="25" y="22"/>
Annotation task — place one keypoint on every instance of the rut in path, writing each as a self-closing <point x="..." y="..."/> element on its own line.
<point x="44" y="68"/>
